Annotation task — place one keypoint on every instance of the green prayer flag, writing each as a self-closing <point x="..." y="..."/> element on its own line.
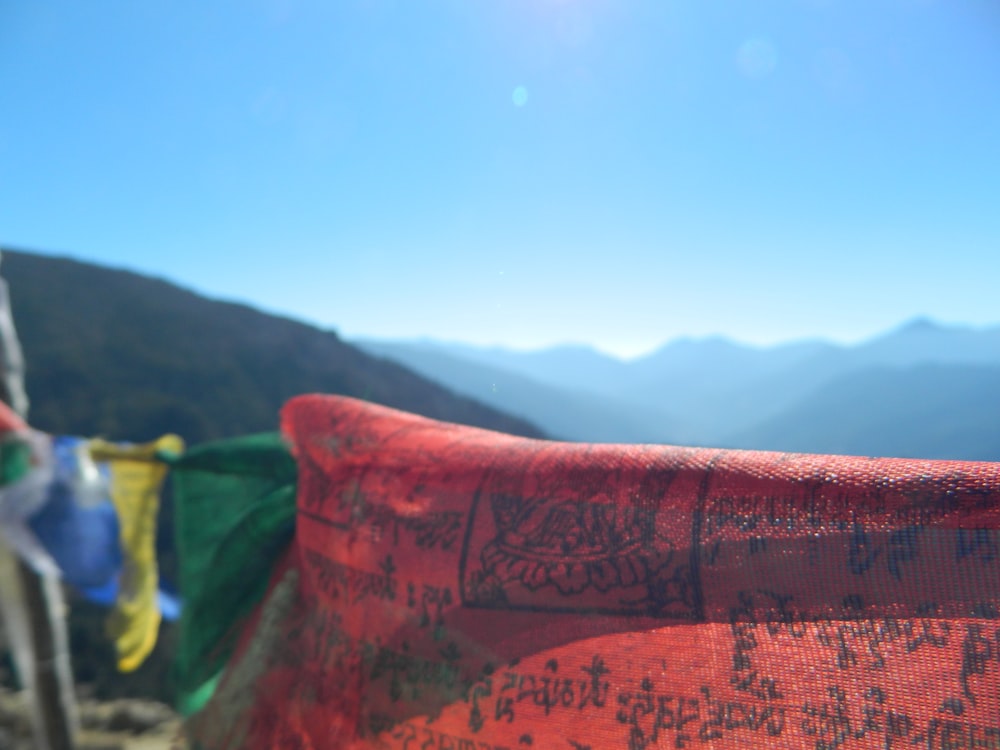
<point x="15" y="460"/>
<point x="234" y="504"/>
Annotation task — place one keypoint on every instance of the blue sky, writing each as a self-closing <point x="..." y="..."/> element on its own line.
<point x="521" y="172"/>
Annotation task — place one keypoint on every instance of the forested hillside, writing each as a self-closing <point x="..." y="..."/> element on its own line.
<point x="129" y="357"/>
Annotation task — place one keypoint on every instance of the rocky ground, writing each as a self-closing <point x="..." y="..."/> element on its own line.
<point x="125" y="724"/>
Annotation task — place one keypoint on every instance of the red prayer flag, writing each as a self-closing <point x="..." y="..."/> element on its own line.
<point x="455" y="588"/>
<point x="10" y="421"/>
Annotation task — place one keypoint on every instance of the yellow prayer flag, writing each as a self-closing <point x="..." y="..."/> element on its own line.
<point x="136" y="477"/>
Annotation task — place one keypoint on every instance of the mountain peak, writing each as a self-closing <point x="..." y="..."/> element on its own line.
<point x="920" y="324"/>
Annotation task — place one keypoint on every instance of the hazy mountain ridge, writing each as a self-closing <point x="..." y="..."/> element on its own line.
<point x="809" y="396"/>
<point x="573" y="366"/>
<point x="565" y="413"/>
<point x="894" y="411"/>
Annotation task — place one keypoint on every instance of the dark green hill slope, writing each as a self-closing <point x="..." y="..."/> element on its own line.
<point x="129" y="357"/>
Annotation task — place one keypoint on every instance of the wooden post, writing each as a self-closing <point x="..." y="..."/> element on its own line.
<point x="53" y="698"/>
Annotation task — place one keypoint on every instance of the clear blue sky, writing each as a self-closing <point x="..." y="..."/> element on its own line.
<point x="523" y="172"/>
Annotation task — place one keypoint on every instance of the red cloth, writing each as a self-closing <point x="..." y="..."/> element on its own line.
<point x="10" y="421"/>
<point x="464" y="589"/>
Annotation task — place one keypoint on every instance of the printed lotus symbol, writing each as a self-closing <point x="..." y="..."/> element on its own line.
<point x="579" y="549"/>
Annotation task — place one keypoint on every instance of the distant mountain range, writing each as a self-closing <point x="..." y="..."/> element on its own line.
<point x="922" y="390"/>
<point x="571" y="412"/>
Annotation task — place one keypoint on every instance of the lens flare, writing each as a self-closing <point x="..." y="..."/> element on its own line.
<point x="756" y="58"/>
